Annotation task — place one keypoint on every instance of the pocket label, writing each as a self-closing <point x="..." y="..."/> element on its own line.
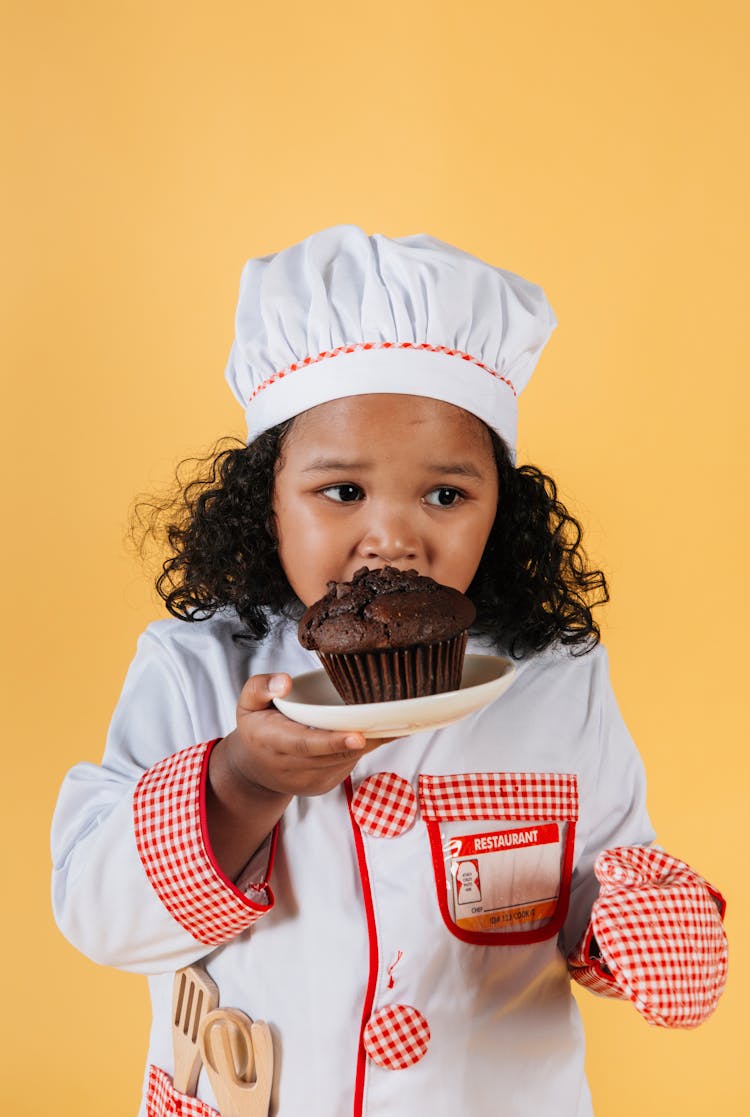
<point x="505" y="880"/>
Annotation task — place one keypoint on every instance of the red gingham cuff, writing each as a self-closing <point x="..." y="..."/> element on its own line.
<point x="588" y="969"/>
<point x="171" y="834"/>
<point x="659" y="928"/>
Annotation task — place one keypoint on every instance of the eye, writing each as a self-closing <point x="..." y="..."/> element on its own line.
<point x="344" y="494"/>
<point x="444" y="497"/>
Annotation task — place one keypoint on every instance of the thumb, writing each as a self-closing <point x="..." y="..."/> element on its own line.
<point x="260" y="690"/>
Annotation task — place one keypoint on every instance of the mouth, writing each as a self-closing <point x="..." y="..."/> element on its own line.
<point x="402" y="568"/>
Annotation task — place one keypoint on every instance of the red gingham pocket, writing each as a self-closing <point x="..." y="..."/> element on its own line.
<point x="162" y="1100"/>
<point x="172" y="839"/>
<point x="516" y="795"/>
<point x="384" y="805"/>
<point x="502" y="852"/>
<point x="660" y="935"/>
<point x="396" y="1037"/>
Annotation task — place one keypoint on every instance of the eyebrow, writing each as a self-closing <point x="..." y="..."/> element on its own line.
<point x="458" y="469"/>
<point x="453" y="469"/>
<point x="324" y="465"/>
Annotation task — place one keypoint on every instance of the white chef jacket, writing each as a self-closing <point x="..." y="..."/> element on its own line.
<point x="358" y="922"/>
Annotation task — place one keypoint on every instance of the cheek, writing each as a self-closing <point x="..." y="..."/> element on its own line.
<point x="303" y="525"/>
<point x="309" y="548"/>
<point x="288" y="528"/>
<point x="467" y="546"/>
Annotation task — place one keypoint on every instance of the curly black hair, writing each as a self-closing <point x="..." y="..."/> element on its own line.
<point x="532" y="589"/>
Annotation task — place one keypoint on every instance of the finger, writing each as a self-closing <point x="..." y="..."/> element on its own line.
<point x="292" y="739"/>
<point x="320" y="744"/>
<point x="260" y="690"/>
<point x="376" y="743"/>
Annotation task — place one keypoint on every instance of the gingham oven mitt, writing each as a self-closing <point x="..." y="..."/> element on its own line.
<point x="656" y="937"/>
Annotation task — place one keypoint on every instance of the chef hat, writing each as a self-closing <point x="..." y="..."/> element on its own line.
<point x="343" y="313"/>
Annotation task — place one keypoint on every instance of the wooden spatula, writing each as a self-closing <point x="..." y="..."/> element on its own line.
<point x="194" y="996"/>
<point x="238" y="1057"/>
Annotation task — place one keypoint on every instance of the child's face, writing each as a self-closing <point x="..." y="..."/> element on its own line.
<point x="383" y="480"/>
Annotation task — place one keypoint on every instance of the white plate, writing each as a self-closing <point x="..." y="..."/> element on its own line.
<point x="314" y="701"/>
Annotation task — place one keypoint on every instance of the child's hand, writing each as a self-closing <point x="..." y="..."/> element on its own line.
<point x="274" y="754"/>
<point x="258" y="767"/>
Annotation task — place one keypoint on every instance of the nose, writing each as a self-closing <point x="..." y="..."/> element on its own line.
<point x="391" y="538"/>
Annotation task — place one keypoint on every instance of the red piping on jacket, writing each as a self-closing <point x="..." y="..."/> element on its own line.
<point x="372" y="934"/>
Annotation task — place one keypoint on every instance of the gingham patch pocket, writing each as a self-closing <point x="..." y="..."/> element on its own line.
<point x="162" y="1100"/>
<point x="502" y="852"/>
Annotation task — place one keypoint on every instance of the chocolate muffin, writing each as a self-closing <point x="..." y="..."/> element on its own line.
<point x="389" y="634"/>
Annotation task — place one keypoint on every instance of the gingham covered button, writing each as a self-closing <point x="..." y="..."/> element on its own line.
<point x="384" y="805"/>
<point x="396" y="1037"/>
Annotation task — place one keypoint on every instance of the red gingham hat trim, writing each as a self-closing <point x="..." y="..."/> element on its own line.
<point x="499" y="795"/>
<point x="162" y="1100"/>
<point x="365" y="345"/>
<point x="172" y="840"/>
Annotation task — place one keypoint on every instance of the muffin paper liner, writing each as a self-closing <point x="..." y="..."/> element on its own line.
<point x="391" y="674"/>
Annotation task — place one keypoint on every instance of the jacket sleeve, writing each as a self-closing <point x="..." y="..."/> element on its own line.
<point x="612" y="792"/>
<point x="135" y="884"/>
<point x="642" y="925"/>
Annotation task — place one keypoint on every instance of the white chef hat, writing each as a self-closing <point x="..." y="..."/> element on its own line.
<point x="343" y="313"/>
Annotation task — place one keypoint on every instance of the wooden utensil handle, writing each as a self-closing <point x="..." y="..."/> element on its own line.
<point x="234" y="1050"/>
<point x="194" y="995"/>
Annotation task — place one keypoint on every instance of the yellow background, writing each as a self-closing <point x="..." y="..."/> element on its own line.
<point x="150" y="148"/>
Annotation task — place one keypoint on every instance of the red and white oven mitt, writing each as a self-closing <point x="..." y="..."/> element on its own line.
<point x="656" y="937"/>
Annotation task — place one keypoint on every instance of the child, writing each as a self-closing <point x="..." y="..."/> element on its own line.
<point x="405" y="915"/>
